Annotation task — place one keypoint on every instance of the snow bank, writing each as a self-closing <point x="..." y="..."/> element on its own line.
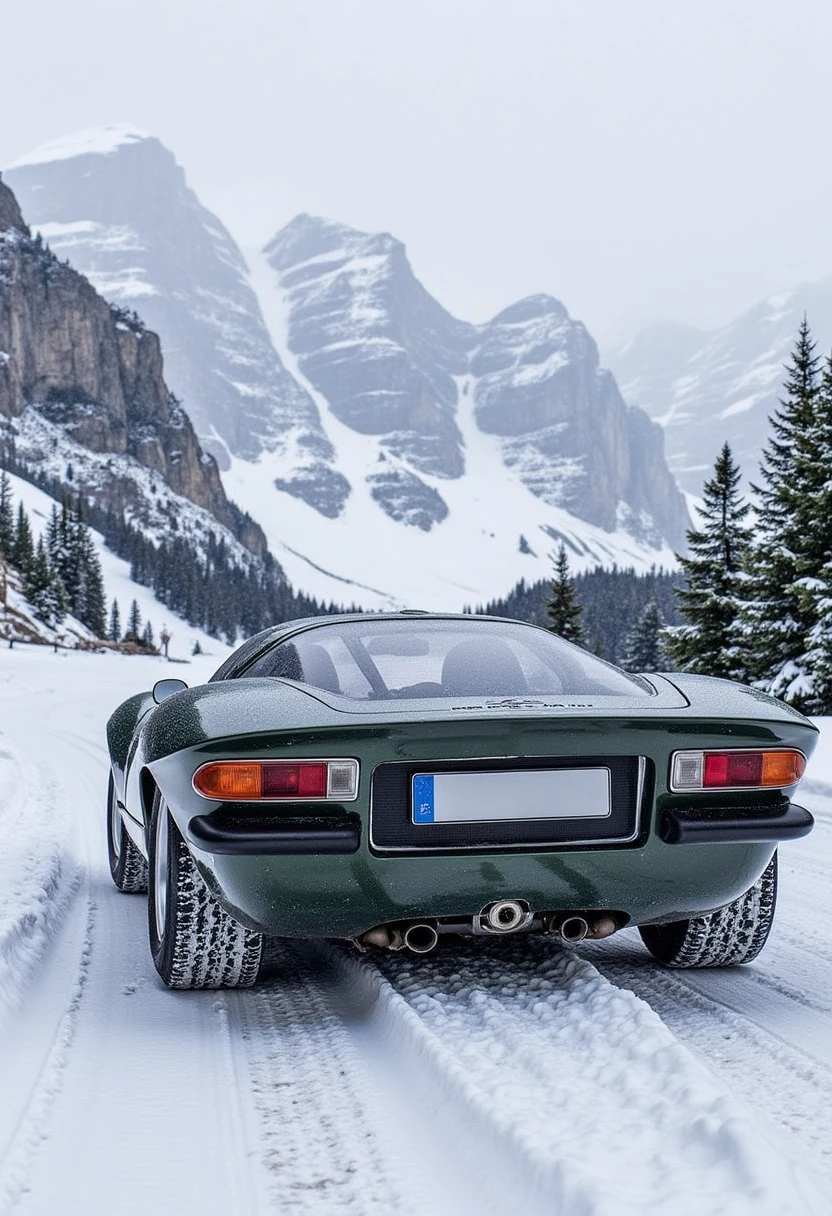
<point x="38" y="876"/>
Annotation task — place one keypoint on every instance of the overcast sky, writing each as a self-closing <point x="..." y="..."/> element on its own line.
<point x="639" y="159"/>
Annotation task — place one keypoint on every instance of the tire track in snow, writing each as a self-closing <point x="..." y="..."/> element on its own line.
<point x="603" y="1109"/>
<point x="29" y="1110"/>
<point x="318" y="1119"/>
<point x="755" y="1062"/>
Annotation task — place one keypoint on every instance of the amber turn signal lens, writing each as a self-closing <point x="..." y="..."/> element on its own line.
<point x="782" y="768"/>
<point x="230" y="780"/>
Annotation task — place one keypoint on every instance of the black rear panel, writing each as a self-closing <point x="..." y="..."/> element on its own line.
<point x="392" y="829"/>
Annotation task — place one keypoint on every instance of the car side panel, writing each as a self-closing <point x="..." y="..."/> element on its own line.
<point x="121" y="735"/>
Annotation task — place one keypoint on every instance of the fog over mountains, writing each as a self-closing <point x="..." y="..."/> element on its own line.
<point x="706" y="388"/>
<point x="391" y="452"/>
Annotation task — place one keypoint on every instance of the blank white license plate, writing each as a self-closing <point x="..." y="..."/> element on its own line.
<point x="563" y="793"/>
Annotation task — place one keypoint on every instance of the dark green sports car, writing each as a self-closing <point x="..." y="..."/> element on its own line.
<point x="393" y="778"/>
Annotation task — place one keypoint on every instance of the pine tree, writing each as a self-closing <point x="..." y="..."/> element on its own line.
<point x="134" y="624"/>
<point x="792" y="538"/>
<point x="814" y="564"/>
<point x="643" y="651"/>
<point x="147" y="637"/>
<point x="114" y="630"/>
<point x="44" y="590"/>
<point x="562" y="607"/>
<point x="92" y="606"/>
<point x="23" y="550"/>
<point x="711" y="600"/>
<point x="6" y="517"/>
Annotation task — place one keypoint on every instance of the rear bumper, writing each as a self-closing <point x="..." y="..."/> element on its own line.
<point x="716" y="825"/>
<point x="288" y="839"/>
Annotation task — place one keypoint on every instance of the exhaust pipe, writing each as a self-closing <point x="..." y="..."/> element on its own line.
<point x="421" y="938"/>
<point x="570" y="929"/>
<point x="505" y="916"/>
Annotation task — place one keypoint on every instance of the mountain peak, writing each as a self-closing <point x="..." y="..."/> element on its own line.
<point x="92" y="141"/>
<point x="10" y="214"/>
<point x="308" y="236"/>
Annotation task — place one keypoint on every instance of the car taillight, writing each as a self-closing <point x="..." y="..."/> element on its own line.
<point x="273" y="780"/>
<point x="709" y="770"/>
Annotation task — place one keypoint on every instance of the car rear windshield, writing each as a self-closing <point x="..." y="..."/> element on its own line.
<point x="383" y="659"/>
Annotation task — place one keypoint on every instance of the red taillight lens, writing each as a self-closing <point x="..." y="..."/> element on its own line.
<point x="294" y="781"/>
<point x="243" y="781"/>
<point x="732" y="768"/>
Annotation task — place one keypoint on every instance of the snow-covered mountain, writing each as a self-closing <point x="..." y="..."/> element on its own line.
<point x="115" y="203"/>
<point x="491" y="442"/>
<point x="391" y="452"/>
<point x="706" y="388"/>
<point x="83" y="399"/>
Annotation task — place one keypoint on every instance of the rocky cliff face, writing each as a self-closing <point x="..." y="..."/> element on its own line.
<point x="95" y="373"/>
<point x="389" y="361"/>
<point x="709" y="388"/>
<point x="564" y="427"/>
<point x="116" y="204"/>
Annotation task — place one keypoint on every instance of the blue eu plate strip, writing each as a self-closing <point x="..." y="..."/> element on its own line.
<point x="423" y="798"/>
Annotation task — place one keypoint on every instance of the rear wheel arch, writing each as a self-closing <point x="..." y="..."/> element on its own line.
<point x="147" y="791"/>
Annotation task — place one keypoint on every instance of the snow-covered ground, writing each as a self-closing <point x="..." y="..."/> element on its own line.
<point x="485" y="1079"/>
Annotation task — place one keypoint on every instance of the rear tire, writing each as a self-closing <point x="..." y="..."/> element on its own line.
<point x="127" y="866"/>
<point x="735" y="934"/>
<point x="193" y="941"/>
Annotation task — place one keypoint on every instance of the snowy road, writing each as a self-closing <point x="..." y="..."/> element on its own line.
<point x="486" y="1078"/>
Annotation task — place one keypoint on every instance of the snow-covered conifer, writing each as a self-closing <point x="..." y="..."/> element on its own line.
<point x="775" y="620"/>
<point x="711" y="599"/>
<point x="643" y="651"/>
<point x="114" y="630"/>
<point x="23" y="550"/>
<point x="44" y="589"/>
<point x="562" y="607"/>
<point x="134" y="623"/>
<point x="6" y="517"/>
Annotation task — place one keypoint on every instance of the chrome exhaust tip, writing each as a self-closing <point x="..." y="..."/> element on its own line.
<point x="573" y="929"/>
<point x="505" y="916"/>
<point x="421" y="938"/>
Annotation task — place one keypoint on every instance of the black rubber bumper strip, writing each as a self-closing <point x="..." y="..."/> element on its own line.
<point x="757" y="825"/>
<point x="287" y="839"/>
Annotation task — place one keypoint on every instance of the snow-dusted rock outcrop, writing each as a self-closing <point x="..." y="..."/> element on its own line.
<point x="72" y="367"/>
<point x="387" y="358"/>
<point x="706" y="388"/>
<point x="115" y="203"/>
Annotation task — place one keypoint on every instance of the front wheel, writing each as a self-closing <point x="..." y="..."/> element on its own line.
<point x="194" y="942"/>
<point x="127" y="866"/>
<point x="734" y="934"/>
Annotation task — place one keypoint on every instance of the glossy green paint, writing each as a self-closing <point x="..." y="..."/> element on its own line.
<point x="345" y="895"/>
<point x="342" y="896"/>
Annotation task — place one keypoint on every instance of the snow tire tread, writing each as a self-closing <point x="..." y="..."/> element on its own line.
<point x="127" y="866"/>
<point x="202" y="946"/>
<point x="732" y="935"/>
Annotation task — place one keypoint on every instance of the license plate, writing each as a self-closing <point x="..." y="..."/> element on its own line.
<point x="563" y="793"/>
